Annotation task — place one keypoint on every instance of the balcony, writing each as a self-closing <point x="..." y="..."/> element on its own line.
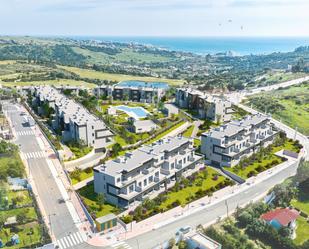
<point x="164" y="172"/>
<point x="178" y="166"/>
<point x="145" y="171"/>
<point x="156" y="179"/>
<point x="138" y="189"/>
<point x="191" y="159"/>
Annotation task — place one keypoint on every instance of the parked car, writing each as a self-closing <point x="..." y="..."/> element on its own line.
<point x="184" y="230"/>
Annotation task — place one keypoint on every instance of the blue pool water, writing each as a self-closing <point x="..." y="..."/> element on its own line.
<point x="134" y="112"/>
<point x="137" y="83"/>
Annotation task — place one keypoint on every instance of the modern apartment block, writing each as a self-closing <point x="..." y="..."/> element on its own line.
<point x="207" y="106"/>
<point x="227" y="144"/>
<point x="149" y="168"/>
<point x="130" y="93"/>
<point x="74" y="120"/>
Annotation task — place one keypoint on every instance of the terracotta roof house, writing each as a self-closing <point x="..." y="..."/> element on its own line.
<point x="281" y="217"/>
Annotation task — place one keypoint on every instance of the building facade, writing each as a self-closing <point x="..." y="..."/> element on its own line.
<point x="129" y="93"/>
<point x="138" y="173"/>
<point x="207" y="106"/>
<point x="227" y="144"/>
<point x="74" y="121"/>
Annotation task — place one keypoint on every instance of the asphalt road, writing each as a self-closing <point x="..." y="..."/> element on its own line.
<point x="59" y="216"/>
<point x="62" y="223"/>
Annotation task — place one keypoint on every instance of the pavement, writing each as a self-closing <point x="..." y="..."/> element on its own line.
<point x="237" y="97"/>
<point x="65" y="220"/>
<point x="151" y="233"/>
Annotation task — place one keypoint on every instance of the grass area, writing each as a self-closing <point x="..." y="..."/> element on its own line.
<point x="290" y="105"/>
<point x="92" y="74"/>
<point x="188" y="132"/>
<point x="11" y="165"/>
<point x="79" y="151"/>
<point x="59" y="82"/>
<point x="184" y="195"/>
<point x="302" y="231"/>
<point x="268" y="161"/>
<point x="277" y="77"/>
<point x="89" y="198"/>
<point x="29" y="212"/>
<point x="166" y="132"/>
<point x="29" y="234"/>
<point x="84" y="174"/>
<point x="22" y="196"/>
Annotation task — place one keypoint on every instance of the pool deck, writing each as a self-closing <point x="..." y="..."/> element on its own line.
<point x="132" y="113"/>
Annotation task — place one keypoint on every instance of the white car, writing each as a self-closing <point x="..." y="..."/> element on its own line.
<point x="184" y="230"/>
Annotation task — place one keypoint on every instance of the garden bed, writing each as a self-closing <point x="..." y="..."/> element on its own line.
<point x="264" y="159"/>
<point x="90" y="200"/>
<point x="199" y="184"/>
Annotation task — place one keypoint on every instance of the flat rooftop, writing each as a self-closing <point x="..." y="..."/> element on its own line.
<point x="234" y="127"/>
<point x="138" y="157"/>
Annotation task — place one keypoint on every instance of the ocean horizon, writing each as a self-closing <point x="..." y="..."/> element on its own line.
<point x="213" y="45"/>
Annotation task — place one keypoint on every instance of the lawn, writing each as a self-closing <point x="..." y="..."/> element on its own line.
<point x="188" y="132"/>
<point x="84" y="174"/>
<point x="302" y="231"/>
<point x="290" y="105"/>
<point x="79" y="152"/>
<point x="22" y="196"/>
<point x="166" y="132"/>
<point x="92" y="74"/>
<point x="89" y="197"/>
<point x="184" y="194"/>
<point x="29" y="234"/>
<point x="29" y="212"/>
<point x="59" y="82"/>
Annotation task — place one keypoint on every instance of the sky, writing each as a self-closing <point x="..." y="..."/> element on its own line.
<point x="155" y="17"/>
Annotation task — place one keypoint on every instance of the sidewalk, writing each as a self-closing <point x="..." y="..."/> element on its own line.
<point x="159" y="220"/>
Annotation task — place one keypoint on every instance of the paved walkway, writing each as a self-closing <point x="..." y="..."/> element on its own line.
<point x="179" y="212"/>
<point x="178" y="130"/>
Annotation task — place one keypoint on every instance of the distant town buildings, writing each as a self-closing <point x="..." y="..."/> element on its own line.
<point x="227" y="144"/>
<point x="130" y="93"/>
<point x="75" y="121"/>
<point x="132" y="176"/>
<point x="207" y="106"/>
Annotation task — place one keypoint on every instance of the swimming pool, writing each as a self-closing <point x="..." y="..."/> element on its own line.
<point x="137" y="83"/>
<point x="134" y="112"/>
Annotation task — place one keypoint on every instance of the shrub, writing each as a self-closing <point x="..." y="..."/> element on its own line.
<point x="127" y="219"/>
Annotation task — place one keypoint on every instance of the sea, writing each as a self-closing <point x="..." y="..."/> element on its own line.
<point x="213" y="45"/>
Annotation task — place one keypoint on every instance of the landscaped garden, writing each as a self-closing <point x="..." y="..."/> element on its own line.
<point x="78" y="149"/>
<point x="264" y="158"/>
<point x="95" y="203"/>
<point x="204" y="182"/>
<point x="17" y="207"/>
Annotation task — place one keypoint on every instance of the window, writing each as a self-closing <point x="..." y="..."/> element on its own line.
<point x="93" y="134"/>
<point x="172" y="165"/>
<point x="184" y="160"/>
<point x="118" y="179"/>
<point x="157" y="174"/>
<point x="140" y="184"/>
<point x="131" y="188"/>
<point x="188" y="157"/>
<point x="150" y="179"/>
<point x="145" y="182"/>
<point x="180" y="161"/>
<point x="161" y="157"/>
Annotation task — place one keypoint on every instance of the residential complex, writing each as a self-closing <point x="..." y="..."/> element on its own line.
<point x="207" y="106"/>
<point x="130" y="93"/>
<point x="132" y="176"/>
<point x="75" y="121"/>
<point x="227" y="144"/>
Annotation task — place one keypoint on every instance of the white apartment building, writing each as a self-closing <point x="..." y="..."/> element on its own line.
<point x="74" y="120"/>
<point x="131" y="177"/>
<point x="227" y="144"/>
<point x="207" y="106"/>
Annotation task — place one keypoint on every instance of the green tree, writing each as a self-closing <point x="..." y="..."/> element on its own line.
<point x="116" y="148"/>
<point x="21" y="218"/>
<point x="101" y="200"/>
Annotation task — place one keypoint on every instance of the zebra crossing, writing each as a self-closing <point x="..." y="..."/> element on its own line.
<point x="35" y="154"/>
<point x="25" y="133"/>
<point x="121" y="245"/>
<point x="70" y="240"/>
